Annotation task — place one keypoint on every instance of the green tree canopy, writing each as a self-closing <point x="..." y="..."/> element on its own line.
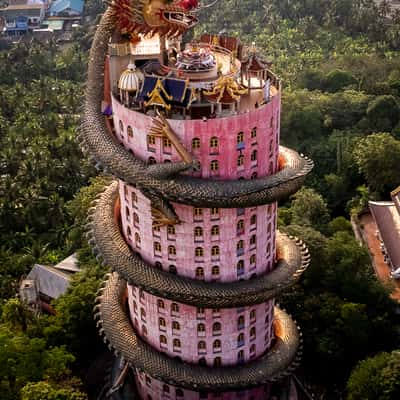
<point x="376" y="378"/>
<point x="378" y="159"/>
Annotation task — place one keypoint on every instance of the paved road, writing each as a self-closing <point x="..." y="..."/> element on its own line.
<point x="368" y="231"/>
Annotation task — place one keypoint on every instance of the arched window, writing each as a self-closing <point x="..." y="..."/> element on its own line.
<point x="253" y="175"/>
<point x="240" y="267"/>
<point x="137" y="239"/>
<point x="240" y="340"/>
<point x="158" y="265"/>
<point x="172" y="269"/>
<point x="268" y="248"/>
<point x="157" y="246"/>
<point x="144" y="330"/>
<point x="197" y="212"/>
<point x="252" y="348"/>
<point x="174" y="307"/>
<point x="253" y="156"/>
<point x="172" y="250"/>
<point x="151" y="160"/>
<point x="166" y="142"/>
<point x="201" y="327"/>
<point x="215" y="251"/>
<point x="161" y="322"/>
<point x="215" y="270"/>
<point x="214" y="166"/>
<point x="241" y="356"/>
<point x="151" y="140"/>
<point x="240" y="226"/>
<point x="271" y="167"/>
<point x="134" y="198"/>
<point x="177" y="343"/>
<point x="165" y="388"/>
<point x="163" y="339"/>
<point x="121" y="127"/>
<point x="199" y="252"/>
<point x="253" y="219"/>
<point x="215" y="230"/>
<point x="240" y="160"/>
<point x="171" y="230"/>
<point x="217" y="345"/>
<point x="160" y="303"/>
<point x="195" y="143"/>
<point x="142" y="313"/>
<point x="239" y="137"/>
<point x="176" y="325"/>
<point x="254" y="132"/>
<point x="217" y="361"/>
<point x="198" y="231"/>
<point x="216" y="327"/>
<point x="214" y="213"/>
<point x="135" y="219"/>
<point x="240" y="322"/>
<point x="240" y="245"/>
<point x="202" y="345"/>
<point x="199" y="273"/>
<point x="129" y="231"/>
<point x="253" y="240"/>
<point x="129" y="130"/>
<point x="202" y="361"/>
<point x="214" y="143"/>
<point x="253" y="315"/>
<point x="252" y="259"/>
<point x="127" y="212"/>
<point x="253" y="332"/>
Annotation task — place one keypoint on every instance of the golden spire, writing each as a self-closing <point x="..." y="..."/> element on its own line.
<point x="227" y="85"/>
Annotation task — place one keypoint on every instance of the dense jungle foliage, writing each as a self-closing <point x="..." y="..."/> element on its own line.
<point x="340" y="64"/>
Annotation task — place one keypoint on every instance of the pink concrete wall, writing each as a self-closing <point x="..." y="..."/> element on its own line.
<point x="265" y="121"/>
<point x="152" y="389"/>
<point x="177" y="329"/>
<point x="257" y="238"/>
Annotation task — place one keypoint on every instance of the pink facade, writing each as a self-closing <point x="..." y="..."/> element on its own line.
<point x="239" y="146"/>
<point x="209" y="244"/>
<point x="152" y="389"/>
<point x="196" y="335"/>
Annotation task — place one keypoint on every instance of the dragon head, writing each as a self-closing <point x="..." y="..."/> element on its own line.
<point x="155" y="16"/>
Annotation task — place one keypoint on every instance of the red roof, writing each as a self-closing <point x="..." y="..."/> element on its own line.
<point x="387" y="218"/>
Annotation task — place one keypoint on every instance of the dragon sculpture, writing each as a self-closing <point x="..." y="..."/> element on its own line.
<point x="165" y="180"/>
<point x="161" y="184"/>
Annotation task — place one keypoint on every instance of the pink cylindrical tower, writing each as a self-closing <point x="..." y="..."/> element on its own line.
<point x="190" y="227"/>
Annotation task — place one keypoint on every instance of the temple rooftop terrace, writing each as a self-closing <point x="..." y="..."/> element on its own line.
<point x="205" y="80"/>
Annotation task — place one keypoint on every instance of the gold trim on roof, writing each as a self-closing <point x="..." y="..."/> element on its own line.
<point x="229" y="85"/>
<point x="156" y="99"/>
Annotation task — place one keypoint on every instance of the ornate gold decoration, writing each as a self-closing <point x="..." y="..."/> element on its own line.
<point x="226" y="84"/>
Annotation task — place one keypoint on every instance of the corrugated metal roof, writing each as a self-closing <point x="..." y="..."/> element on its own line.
<point x="387" y="219"/>
<point x="60" y="5"/>
<point x="50" y="281"/>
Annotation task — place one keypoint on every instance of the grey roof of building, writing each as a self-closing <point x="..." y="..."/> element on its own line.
<point x="51" y="282"/>
<point x="70" y="264"/>
<point x="387" y="218"/>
